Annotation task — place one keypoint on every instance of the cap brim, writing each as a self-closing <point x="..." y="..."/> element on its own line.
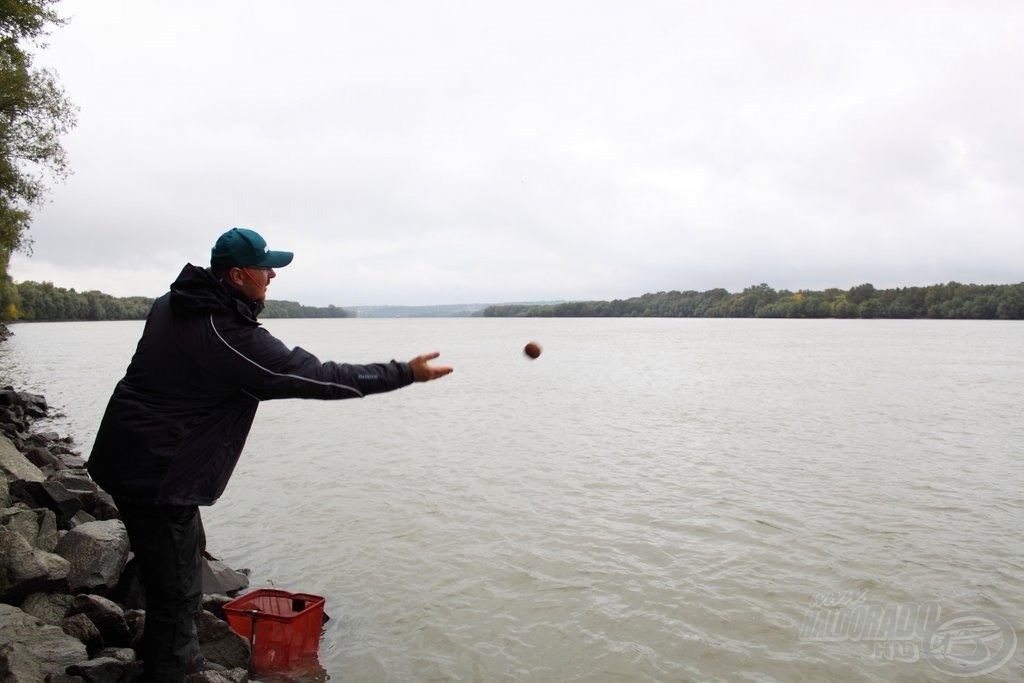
<point x="276" y="259"/>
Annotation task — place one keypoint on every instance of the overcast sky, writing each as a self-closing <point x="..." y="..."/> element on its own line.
<point x="428" y="152"/>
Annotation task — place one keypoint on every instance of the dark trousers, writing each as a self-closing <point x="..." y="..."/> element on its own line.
<point x="168" y="542"/>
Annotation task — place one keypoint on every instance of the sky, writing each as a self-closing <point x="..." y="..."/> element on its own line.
<point x="439" y="151"/>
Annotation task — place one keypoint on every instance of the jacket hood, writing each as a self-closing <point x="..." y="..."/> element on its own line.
<point x="197" y="291"/>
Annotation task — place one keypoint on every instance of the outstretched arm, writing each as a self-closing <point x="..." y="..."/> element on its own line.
<point x="423" y="371"/>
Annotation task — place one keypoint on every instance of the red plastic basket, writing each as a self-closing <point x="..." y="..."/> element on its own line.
<point x="283" y="627"/>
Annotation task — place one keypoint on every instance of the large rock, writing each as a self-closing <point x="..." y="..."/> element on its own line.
<point x="31" y="649"/>
<point x="95" y="500"/>
<point x="21" y="520"/>
<point x="220" y="579"/>
<point x="25" y="570"/>
<point x="107" y="670"/>
<point x="136" y="620"/>
<point x="219" y="643"/>
<point x="50" y="608"/>
<point x="33" y="404"/>
<point x="15" y="465"/>
<point x="97" y="552"/>
<point x="81" y="627"/>
<point x="43" y="458"/>
<point x="38" y="527"/>
<point x="108" y="617"/>
<point x="53" y="495"/>
<point x="232" y="676"/>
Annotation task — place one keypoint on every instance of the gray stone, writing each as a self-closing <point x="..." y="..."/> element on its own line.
<point x="5" y="493"/>
<point x="121" y="654"/>
<point x="220" y="579"/>
<point x="15" y="465"/>
<point x="45" y="438"/>
<point x="51" y="494"/>
<point x="215" y="605"/>
<point x="32" y="649"/>
<point x="25" y="570"/>
<point x="50" y="608"/>
<point x="99" y="670"/>
<point x="220" y="644"/>
<point x="108" y="617"/>
<point x="72" y="461"/>
<point x="38" y="526"/>
<point x="64" y="678"/>
<point x="49" y="534"/>
<point x="22" y="521"/>
<point x="81" y="627"/>
<point x="79" y="518"/>
<point x="232" y="676"/>
<point x="41" y="457"/>
<point x="10" y="397"/>
<point x="97" y="552"/>
<point x="136" y="620"/>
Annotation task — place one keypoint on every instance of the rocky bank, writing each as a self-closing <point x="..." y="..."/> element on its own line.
<point x="71" y="607"/>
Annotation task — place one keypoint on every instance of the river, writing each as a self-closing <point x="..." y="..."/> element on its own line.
<point x="650" y="500"/>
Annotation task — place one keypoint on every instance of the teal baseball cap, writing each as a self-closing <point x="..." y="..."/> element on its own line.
<point x="242" y="247"/>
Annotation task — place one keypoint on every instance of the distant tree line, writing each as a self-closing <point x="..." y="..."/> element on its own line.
<point x="42" y="301"/>
<point x="293" y="309"/>
<point x="950" y="300"/>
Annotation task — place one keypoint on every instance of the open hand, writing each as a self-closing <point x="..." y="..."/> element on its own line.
<point x="423" y="371"/>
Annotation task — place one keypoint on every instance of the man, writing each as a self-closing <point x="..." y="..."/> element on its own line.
<point x="176" y="424"/>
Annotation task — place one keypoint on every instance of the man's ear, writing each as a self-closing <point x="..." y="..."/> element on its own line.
<point x="235" y="277"/>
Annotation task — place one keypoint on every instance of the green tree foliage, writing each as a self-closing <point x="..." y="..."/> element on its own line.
<point x="951" y="300"/>
<point x="42" y="301"/>
<point x="293" y="309"/>
<point x="34" y="114"/>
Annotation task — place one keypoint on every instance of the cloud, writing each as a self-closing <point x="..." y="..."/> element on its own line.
<point x="442" y="152"/>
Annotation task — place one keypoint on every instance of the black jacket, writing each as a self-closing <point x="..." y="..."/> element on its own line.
<point x="176" y="423"/>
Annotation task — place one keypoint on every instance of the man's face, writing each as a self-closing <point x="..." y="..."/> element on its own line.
<point x="254" y="281"/>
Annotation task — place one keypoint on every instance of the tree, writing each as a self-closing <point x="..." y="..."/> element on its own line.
<point x="34" y="114"/>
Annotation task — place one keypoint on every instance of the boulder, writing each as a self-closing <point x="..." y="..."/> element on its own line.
<point x="15" y="465"/>
<point x="25" y="570"/>
<point x="33" y="404"/>
<point x="38" y="527"/>
<point x="232" y="676"/>
<point x="215" y="605"/>
<point x="72" y="461"/>
<point x="49" y="535"/>
<point x="121" y="654"/>
<point x="31" y="649"/>
<point x="220" y="644"/>
<point x="12" y="420"/>
<point x="81" y="627"/>
<point x="51" y="494"/>
<point x="220" y="579"/>
<point x="22" y="521"/>
<point x="41" y="457"/>
<point x="79" y="518"/>
<point x="129" y="592"/>
<point x="64" y="678"/>
<point x="107" y="670"/>
<point x="108" y="617"/>
<point x="136" y="620"/>
<point x="97" y="552"/>
<point x="50" y="608"/>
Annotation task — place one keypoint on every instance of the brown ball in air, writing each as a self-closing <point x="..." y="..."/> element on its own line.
<point x="532" y="349"/>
